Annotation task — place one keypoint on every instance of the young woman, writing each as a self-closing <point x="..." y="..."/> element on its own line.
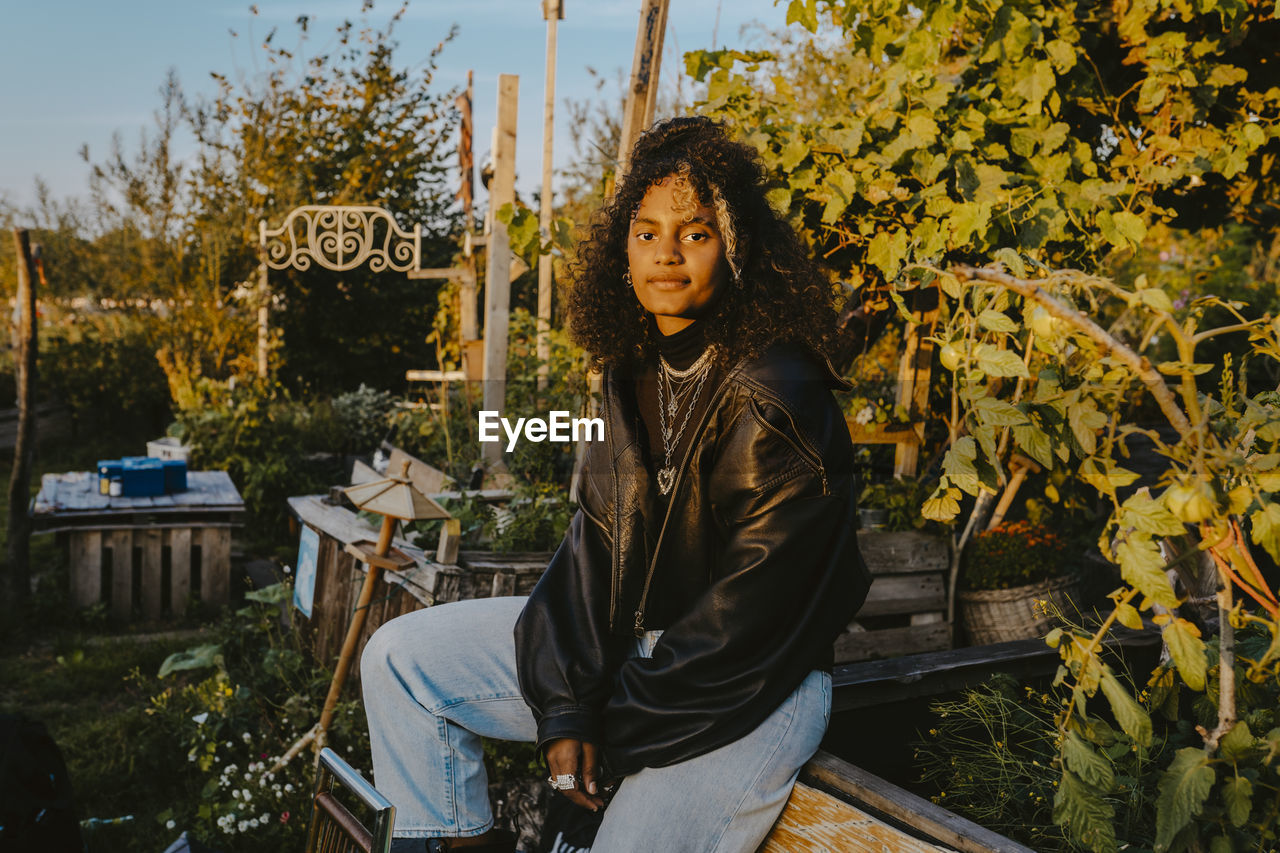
<point x="676" y="653"/>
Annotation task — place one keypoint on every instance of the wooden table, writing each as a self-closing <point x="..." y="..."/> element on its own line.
<point x="143" y="554"/>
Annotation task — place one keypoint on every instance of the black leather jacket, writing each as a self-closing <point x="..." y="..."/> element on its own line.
<point x="752" y="573"/>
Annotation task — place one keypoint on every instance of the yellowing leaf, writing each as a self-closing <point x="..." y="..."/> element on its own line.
<point x="1128" y="616"/>
<point x="1128" y="712"/>
<point x="999" y="362"/>
<point x="1142" y="567"/>
<point x="996" y="322"/>
<point x="1187" y="650"/>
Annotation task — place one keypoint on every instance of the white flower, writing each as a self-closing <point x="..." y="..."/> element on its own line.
<point x="246" y="795"/>
<point x="228" y="744"/>
<point x="266" y="816"/>
<point x="865" y="414"/>
<point x="231" y="768"/>
<point x="246" y="737"/>
<point x="170" y="824"/>
<point x="242" y="825"/>
<point x="235" y="794"/>
<point x="200" y="718"/>
<point x="253" y="823"/>
<point x="191" y="756"/>
<point x="288" y="788"/>
<point x="248" y="777"/>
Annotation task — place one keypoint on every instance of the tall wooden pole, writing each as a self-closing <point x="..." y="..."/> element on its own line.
<point x="468" y="320"/>
<point x="18" y="579"/>
<point x="553" y="11"/>
<point x="637" y="112"/>
<point x="497" y="280"/>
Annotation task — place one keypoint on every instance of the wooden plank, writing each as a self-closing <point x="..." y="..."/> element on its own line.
<point x="892" y="594"/>
<point x="215" y="565"/>
<point x="909" y="551"/>
<point x="814" y="821"/>
<point x="928" y="819"/>
<point x="424" y="477"/>
<point x="150" y="541"/>
<point x="334" y="521"/>
<point x="888" y="642"/>
<point x="121" y="544"/>
<point x="504" y="583"/>
<point x="179" y="569"/>
<point x="85" y="549"/>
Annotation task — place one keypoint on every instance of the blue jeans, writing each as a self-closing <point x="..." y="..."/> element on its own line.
<point x="438" y="680"/>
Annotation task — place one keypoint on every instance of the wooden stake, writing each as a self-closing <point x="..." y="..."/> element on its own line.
<point x="553" y="11"/>
<point x="18" y="579"/>
<point x="497" y="283"/>
<point x="361" y="613"/>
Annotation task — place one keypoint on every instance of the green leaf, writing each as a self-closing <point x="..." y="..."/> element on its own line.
<point x="1128" y="712"/>
<point x="1149" y="515"/>
<point x="1156" y="298"/>
<point x="273" y="594"/>
<point x="1086" y="420"/>
<point x="1142" y="567"/>
<point x="1266" y="529"/>
<point x="1184" y="787"/>
<point x="951" y="286"/>
<point x="1085" y="815"/>
<point x="996" y="322"/>
<point x="1084" y="761"/>
<point x="1012" y="261"/>
<point x="1130" y="226"/>
<point x="999" y="362"/>
<point x="996" y="412"/>
<point x="1035" y="443"/>
<point x="1187" y="650"/>
<point x="194" y="658"/>
<point x="1238" y="742"/>
<point x="958" y="464"/>
<point x="1238" y="798"/>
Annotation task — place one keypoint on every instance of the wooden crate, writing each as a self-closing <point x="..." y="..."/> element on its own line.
<point x="339" y="577"/>
<point x="151" y="570"/>
<point x="906" y="608"/>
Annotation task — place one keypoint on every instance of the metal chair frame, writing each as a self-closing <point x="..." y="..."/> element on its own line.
<point x="334" y="829"/>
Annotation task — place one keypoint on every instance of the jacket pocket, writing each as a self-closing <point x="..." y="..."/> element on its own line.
<point x="797" y="442"/>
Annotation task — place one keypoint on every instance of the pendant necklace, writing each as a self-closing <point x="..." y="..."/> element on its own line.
<point x="677" y="389"/>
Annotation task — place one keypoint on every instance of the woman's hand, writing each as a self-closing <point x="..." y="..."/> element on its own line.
<point x="569" y="755"/>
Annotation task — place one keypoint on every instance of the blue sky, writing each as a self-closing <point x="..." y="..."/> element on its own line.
<point x="77" y="71"/>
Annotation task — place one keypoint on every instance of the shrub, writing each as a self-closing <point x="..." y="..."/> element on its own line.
<point x="1013" y="554"/>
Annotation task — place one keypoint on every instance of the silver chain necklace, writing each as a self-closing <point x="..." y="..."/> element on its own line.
<point x="677" y="389"/>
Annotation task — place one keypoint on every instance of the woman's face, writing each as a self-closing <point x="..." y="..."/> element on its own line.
<point x="675" y="255"/>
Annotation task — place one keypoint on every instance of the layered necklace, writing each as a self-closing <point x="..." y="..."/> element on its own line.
<point x="678" y="391"/>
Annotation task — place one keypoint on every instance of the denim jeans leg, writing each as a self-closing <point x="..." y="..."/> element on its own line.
<point x="727" y="800"/>
<point x="435" y="681"/>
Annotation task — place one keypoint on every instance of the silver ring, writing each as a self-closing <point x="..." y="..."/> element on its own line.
<point x="563" y="782"/>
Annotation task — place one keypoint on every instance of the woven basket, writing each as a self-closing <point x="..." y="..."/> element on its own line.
<point x="998" y="615"/>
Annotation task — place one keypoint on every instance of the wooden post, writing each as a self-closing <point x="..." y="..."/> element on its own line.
<point x="497" y="282"/>
<point x="553" y="11"/>
<point x="17" y="586"/>
<point x="468" y="321"/>
<point x="638" y="111"/>
<point x="264" y="297"/>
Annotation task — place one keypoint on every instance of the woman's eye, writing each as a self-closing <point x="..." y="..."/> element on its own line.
<point x="696" y="236"/>
<point x="644" y="236"/>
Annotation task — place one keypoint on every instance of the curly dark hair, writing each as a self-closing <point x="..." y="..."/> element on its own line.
<point x="777" y="293"/>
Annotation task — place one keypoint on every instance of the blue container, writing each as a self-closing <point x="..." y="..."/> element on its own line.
<point x="142" y="477"/>
<point x="175" y="475"/>
<point x="108" y="469"/>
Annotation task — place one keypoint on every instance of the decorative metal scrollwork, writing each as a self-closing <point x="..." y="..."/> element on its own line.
<point x="340" y="238"/>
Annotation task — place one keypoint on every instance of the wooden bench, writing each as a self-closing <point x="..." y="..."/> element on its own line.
<point x="837" y="807"/>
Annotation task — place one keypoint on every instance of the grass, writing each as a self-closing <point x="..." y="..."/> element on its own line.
<point x="88" y="682"/>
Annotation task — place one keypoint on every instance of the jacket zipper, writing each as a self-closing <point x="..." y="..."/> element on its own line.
<point x="804" y="450"/>
<point x="675" y="490"/>
<point x="615" y="586"/>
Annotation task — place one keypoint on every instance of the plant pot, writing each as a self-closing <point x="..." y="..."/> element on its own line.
<point x="999" y="615"/>
<point x="873" y="518"/>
